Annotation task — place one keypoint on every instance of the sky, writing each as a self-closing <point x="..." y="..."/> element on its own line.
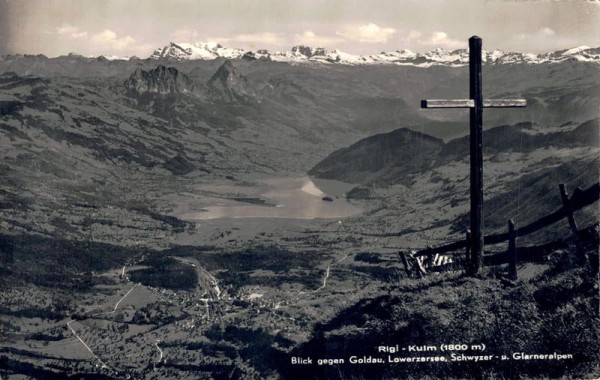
<point x="138" y="27"/>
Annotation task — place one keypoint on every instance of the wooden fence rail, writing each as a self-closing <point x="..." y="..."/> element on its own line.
<point x="579" y="200"/>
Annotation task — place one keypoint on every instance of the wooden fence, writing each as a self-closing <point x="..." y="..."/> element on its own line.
<point x="579" y="200"/>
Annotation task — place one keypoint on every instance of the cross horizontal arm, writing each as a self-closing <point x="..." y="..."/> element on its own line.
<point x="448" y="103"/>
<point x="470" y="103"/>
<point x="504" y="103"/>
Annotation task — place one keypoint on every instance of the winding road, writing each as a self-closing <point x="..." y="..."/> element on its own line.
<point x="121" y="300"/>
<point x="159" y="351"/>
<point x="327" y="273"/>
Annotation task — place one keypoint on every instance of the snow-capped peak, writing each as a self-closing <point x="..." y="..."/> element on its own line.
<point x="197" y="50"/>
<point x="576" y="50"/>
<point x="111" y="58"/>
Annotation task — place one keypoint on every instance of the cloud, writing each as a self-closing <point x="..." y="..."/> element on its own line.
<point x="71" y="32"/>
<point x="66" y="29"/>
<point x="542" y="33"/>
<point x="310" y="38"/>
<point x="185" y="35"/>
<point x="413" y="35"/>
<point x="368" y="33"/>
<point x="438" y="39"/>
<point x="109" y="39"/>
<point x="254" y="39"/>
<point x="260" y="38"/>
<point x="544" y="39"/>
<point x="547" y="31"/>
<point x="104" y="42"/>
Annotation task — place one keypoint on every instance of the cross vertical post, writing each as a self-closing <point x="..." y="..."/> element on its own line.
<point x="476" y="104"/>
<point x="476" y="137"/>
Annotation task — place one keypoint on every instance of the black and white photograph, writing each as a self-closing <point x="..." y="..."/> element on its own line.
<point x="284" y="189"/>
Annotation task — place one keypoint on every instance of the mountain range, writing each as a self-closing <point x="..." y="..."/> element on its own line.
<point x="306" y="54"/>
<point x="390" y="158"/>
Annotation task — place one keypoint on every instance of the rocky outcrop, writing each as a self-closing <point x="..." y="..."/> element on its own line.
<point x="161" y="80"/>
<point x="228" y="85"/>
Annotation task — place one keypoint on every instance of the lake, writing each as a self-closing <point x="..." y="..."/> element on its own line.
<point x="291" y="198"/>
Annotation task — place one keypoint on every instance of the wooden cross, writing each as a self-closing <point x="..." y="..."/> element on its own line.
<point x="476" y="104"/>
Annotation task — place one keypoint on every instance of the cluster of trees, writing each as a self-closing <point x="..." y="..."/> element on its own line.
<point x="367" y="257"/>
<point x="173" y="275"/>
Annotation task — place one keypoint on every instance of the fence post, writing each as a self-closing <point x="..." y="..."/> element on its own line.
<point x="405" y="262"/>
<point x="429" y="264"/>
<point x="512" y="250"/>
<point x="579" y="253"/>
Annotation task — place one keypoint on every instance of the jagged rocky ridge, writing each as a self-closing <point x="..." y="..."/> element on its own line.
<point x="229" y="85"/>
<point x="226" y="85"/>
<point x="161" y="80"/>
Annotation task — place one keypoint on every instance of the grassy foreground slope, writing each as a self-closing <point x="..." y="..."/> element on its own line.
<point x="553" y="309"/>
